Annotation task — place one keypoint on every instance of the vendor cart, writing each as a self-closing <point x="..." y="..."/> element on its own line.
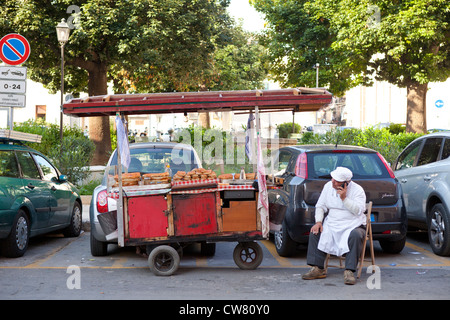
<point x="164" y="217"/>
<point x="167" y="217"/>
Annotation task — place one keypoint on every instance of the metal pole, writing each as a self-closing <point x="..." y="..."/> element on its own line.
<point x="120" y="220"/>
<point x="62" y="96"/>
<point x="11" y="118"/>
<point x="317" y="75"/>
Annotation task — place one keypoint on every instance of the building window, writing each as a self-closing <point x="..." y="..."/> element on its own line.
<point x="41" y="110"/>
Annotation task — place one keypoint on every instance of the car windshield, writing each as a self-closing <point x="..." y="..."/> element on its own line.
<point x="363" y="165"/>
<point x="153" y="160"/>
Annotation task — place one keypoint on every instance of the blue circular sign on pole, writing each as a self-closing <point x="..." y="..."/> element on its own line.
<point x="439" y="103"/>
<point x="14" y="49"/>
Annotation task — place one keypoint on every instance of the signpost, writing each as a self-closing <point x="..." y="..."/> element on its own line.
<point x="14" y="50"/>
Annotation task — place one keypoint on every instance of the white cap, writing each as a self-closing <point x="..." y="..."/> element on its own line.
<point x="341" y="174"/>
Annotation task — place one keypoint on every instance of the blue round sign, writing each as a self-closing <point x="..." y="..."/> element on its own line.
<point x="439" y="103"/>
<point x="14" y="49"/>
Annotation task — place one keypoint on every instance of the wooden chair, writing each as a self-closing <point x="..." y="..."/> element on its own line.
<point x="368" y="237"/>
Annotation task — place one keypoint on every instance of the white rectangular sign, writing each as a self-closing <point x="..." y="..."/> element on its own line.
<point x="13" y="73"/>
<point x="12" y="86"/>
<point x="12" y="100"/>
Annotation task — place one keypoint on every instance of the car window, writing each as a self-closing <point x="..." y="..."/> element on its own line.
<point x="446" y="149"/>
<point x="430" y="151"/>
<point x="48" y="170"/>
<point x="153" y="160"/>
<point x="8" y="165"/>
<point x="362" y="165"/>
<point x="28" y="166"/>
<point x="406" y="159"/>
<point x="283" y="162"/>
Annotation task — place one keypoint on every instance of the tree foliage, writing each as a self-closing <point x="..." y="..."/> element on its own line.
<point x="403" y="42"/>
<point x="139" y="45"/>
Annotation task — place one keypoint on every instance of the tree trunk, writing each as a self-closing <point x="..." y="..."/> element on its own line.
<point x="99" y="127"/>
<point x="204" y="120"/>
<point x="416" y="114"/>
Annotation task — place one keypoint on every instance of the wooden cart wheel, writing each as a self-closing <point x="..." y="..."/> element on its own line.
<point x="248" y="255"/>
<point x="164" y="260"/>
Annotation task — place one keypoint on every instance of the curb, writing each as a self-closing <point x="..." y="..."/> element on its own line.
<point x="86" y="223"/>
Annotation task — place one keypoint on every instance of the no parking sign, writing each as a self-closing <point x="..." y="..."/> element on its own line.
<point x="14" y="49"/>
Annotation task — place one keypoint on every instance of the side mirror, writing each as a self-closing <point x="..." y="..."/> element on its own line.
<point x="63" y="178"/>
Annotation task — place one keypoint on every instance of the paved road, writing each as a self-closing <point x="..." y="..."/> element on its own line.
<point x="55" y="267"/>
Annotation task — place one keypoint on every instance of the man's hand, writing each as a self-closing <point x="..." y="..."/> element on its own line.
<point x="342" y="191"/>
<point x="315" y="229"/>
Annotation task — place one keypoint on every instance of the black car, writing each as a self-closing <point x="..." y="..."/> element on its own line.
<point x="304" y="170"/>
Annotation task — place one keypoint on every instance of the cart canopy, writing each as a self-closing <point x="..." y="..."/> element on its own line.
<point x="295" y="99"/>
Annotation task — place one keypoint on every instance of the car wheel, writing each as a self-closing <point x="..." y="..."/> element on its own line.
<point x="17" y="242"/>
<point x="439" y="230"/>
<point x="98" y="248"/>
<point x="74" y="229"/>
<point x="208" y="249"/>
<point x="284" y="245"/>
<point x="393" y="246"/>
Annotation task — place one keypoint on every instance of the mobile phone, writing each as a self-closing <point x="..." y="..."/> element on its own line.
<point x="344" y="184"/>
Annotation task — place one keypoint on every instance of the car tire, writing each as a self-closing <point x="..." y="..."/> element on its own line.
<point x="284" y="245"/>
<point x="207" y="249"/>
<point x="16" y="243"/>
<point x="74" y="229"/>
<point x="438" y="223"/>
<point x="98" y="248"/>
<point x="393" y="247"/>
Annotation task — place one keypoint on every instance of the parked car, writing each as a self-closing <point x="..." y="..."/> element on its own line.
<point x="35" y="198"/>
<point x="304" y="170"/>
<point x="423" y="169"/>
<point x="148" y="157"/>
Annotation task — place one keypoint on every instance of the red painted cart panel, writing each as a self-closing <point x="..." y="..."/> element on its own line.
<point x="148" y="216"/>
<point x="194" y="214"/>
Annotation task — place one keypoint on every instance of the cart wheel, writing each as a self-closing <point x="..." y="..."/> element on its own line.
<point x="248" y="255"/>
<point x="164" y="260"/>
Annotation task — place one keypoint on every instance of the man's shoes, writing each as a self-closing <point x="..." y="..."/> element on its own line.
<point x="315" y="273"/>
<point x="349" y="278"/>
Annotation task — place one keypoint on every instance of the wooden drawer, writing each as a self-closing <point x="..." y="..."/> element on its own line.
<point x="240" y="216"/>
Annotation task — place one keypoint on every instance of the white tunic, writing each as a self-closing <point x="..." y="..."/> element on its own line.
<point x="342" y="218"/>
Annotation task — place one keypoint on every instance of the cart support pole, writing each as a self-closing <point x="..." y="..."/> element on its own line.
<point x="120" y="235"/>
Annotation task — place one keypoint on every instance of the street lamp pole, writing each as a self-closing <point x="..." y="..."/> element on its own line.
<point x="317" y="74"/>
<point x="63" y="32"/>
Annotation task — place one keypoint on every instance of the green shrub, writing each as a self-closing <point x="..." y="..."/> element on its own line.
<point x="76" y="154"/>
<point x="285" y="129"/>
<point x="384" y="140"/>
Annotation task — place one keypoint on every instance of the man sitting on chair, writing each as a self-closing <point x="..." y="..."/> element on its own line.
<point x="343" y="230"/>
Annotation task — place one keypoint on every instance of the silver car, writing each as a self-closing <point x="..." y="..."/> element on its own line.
<point x="145" y="158"/>
<point x="423" y="169"/>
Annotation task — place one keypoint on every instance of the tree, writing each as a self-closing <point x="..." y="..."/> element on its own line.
<point x="161" y="45"/>
<point x="402" y="42"/>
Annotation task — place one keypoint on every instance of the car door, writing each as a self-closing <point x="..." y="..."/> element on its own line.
<point x="279" y="198"/>
<point x="10" y="188"/>
<point x="416" y="180"/>
<point x="35" y="189"/>
<point x="60" y="193"/>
